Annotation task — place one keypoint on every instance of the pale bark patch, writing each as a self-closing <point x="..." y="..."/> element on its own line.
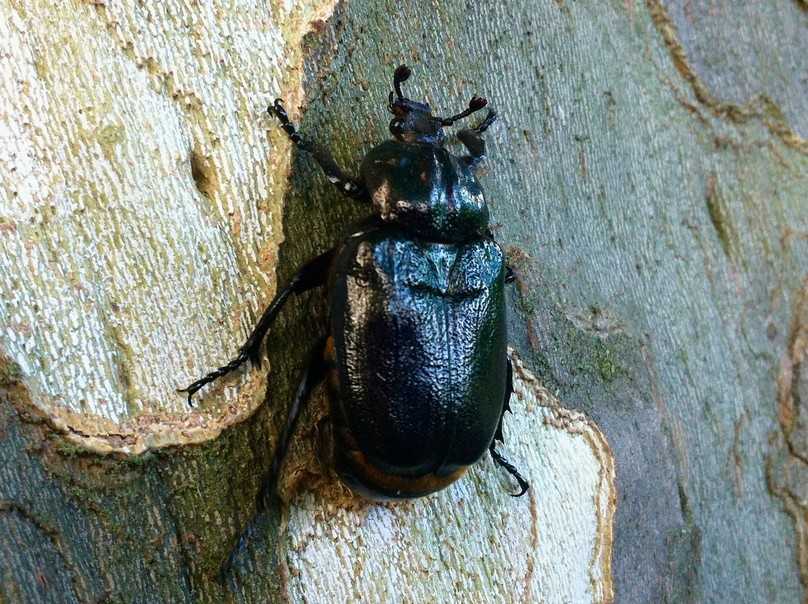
<point x="471" y="540"/>
<point x="141" y="205"/>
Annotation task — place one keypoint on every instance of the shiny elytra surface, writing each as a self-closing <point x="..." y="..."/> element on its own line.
<point x="420" y="336"/>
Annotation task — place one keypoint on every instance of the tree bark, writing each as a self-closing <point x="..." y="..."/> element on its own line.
<point x="648" y="176"/>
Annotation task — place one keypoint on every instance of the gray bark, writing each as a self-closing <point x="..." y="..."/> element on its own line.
<point x="649" y="176"/>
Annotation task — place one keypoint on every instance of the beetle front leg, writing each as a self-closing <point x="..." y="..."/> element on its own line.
<point x="311" y="275"/>
<point x="347" y="185"/>
<point x="498" y="436"/>
<point x="474" y="142"/>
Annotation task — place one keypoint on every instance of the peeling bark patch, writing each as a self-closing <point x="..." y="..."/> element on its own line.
<point x="737" y="456"/>
<point x="203" y="173"/>
<point x="119" y="285"/>
<point x="534" y="544"/>
<point x="760" y="107"/>
<point x="787" y="465"/>
<point x="473" y="540"/>
<point x="719" y="217"/>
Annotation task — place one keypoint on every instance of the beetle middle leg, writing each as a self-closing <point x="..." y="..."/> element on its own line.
<point x="312" y="374"/>
<point x="347" y="185"/>
<point x="499" y="459"/>
<point x="313" y="274"/>
<point x="474" y="142"/>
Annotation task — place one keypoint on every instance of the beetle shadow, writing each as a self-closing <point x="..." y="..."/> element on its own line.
<point x="316" y="218"/>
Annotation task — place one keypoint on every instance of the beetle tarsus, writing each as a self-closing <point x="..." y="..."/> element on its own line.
<point x="511" y="469"/>
<point x="311" y="275"/>
<point x="190" y="394"/>
<point x="214" y="375"/>
<point x="312" y="375"/>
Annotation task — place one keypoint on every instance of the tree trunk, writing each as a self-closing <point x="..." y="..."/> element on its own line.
<point x="648" y="176"/>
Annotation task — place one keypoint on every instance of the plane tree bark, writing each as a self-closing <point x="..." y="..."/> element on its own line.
<point x="648" y="176"/>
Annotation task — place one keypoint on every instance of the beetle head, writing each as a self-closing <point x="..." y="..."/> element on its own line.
<point x="413" y="121"/>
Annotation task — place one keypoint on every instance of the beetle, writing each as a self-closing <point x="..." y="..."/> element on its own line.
<point x="416" y="363"/>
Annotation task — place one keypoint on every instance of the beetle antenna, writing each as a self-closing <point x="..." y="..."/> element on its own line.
<point x="401" y="74"/>
<point x="475" y="104"/>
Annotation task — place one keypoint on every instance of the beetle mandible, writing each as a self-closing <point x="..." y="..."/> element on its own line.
<point x="416" y="361"/>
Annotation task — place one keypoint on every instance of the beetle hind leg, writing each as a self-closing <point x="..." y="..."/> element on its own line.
<point x="312" y="374"/>
<point x="498" y="436"/>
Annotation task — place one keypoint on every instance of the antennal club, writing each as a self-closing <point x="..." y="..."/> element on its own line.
<point x="401" y="75"/>
<point x="475" y="104"/>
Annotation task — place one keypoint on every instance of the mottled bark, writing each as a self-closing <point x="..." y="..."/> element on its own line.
<point x="649" y="176"/>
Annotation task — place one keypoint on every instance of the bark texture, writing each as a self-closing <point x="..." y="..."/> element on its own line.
<point x="649" y="176"/>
